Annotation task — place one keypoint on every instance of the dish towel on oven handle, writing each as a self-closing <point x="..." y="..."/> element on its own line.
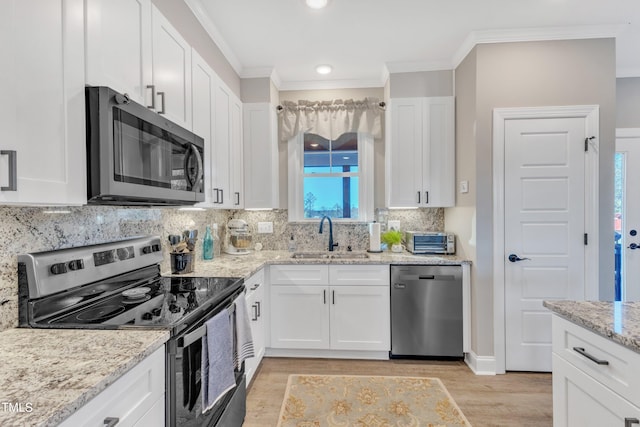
<point x="243" y="348"/>
<point x="217" y="360"/>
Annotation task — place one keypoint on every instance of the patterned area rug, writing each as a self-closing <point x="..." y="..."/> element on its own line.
<point x="364" y="401"/>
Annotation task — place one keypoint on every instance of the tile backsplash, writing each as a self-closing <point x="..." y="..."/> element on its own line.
<point x="35" y="229"/>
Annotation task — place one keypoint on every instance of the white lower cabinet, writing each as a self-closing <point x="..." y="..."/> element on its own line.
<point x="337" y="307"/>
<point x="256" y="309"/>
<point x="595" y="380"/>
<point x="135" y="399"/>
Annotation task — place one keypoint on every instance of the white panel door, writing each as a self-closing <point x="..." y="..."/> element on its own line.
<point x="171" y="71"/>
<point x="544" y="225"/>
<point x="118" y="49"/>
<point x="438" y="153"/>
<point x="237" y="164"/>
<point x="220" y="165"/>
<point x="203" y="84"/>
<point x="629" y="146"/>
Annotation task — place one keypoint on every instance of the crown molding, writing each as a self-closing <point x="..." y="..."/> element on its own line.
<point x="534" y="34"/>
<point x="201" y="15"/>
<point x="262" y="72"/>
<point x="417" y="66"/>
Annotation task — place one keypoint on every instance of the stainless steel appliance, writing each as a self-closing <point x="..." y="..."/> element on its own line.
<point x="426" y="311"/>
<point x="427" y="242"/>
<point x="118" y="285"/>
<point x="135" y="156"/>
<point x="239" y="237"/>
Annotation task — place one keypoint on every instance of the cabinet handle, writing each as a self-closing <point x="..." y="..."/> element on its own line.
<point x="161" y="94"/>
<point x="237" y="197"/>
<point x="13" y="170"/>
<point x="629" y="421"/>
<point x="590" y="357"/>
<point x="255" y="312"/>
<point x="426" y="197"/>
<point x="254" y="287"/>
<point x="258" y="305"/>
<point x="418" y="197"/>
<point x="221" y="196"/>
<point x="324" y="296"/>
<point x="110" y="421"/>
<point x="153" y="96"/>
<point x="333" y="297"/>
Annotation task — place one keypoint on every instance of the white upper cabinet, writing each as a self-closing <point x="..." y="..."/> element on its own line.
<point x="132" y="48"/>
<point x="171" y="71"/>
<point x="260" y="156"/>
<point x="420" y="152"/>
<point x="42" y="149"/>
<point x="237" y="155"/>
<point x="118" y="47"/>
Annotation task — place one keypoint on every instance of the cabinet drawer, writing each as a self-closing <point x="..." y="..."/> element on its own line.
<point x="308" y="274"/>
<point x="353" y="275"/>
<point x="130" y="398"/>
<point x="620" y="374"/>
<point x="254" y="282"/>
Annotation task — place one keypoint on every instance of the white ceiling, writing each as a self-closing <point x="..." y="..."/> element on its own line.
<point x="365" y="39"/>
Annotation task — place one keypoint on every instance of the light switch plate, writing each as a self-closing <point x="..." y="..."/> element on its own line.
<point x="393" y="225"/>
<point x="464" y="186"/>
<point x="265" y="227"/>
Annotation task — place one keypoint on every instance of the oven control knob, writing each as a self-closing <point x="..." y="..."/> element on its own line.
<point x="59" y="268"/>
<point x="146" y="316"/>
<point x="147" y="250"/>
<point x="156" y="248"/>
<point x="76" y="264"/>
<point x="156" y="311"/>
<point x="174" y="308"/>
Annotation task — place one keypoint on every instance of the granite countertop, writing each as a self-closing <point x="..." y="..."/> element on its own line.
<point x="51" y="373"/>
<point x="245" y="265"/>
<point x="618" y="321"/>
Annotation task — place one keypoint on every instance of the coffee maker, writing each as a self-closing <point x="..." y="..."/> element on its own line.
<point x="238" y="237"/>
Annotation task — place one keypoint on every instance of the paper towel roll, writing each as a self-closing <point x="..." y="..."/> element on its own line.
<point x="374" y="237"/>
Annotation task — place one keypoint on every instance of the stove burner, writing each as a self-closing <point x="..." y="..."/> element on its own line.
<point x="100" y="313"/>
<point x="91" y="291"/>
<point x="136" y="300"/>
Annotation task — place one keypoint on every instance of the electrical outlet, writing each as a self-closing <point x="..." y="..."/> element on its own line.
<point x="464" y="186"/>
<point x="265" y="227"/>
<point x="393" y="225"/>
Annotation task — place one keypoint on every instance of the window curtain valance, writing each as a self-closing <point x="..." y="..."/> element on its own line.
<point x="330" y="119"/>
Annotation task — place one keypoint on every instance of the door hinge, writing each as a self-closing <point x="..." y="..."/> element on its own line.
<point x="586" y="142"/>
<point x="586" y="239"/>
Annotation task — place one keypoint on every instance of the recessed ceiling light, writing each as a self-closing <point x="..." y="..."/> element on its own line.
<point x="317" y="4"/>
<point x="324" y="69"/>
<point x="313" y="144"/>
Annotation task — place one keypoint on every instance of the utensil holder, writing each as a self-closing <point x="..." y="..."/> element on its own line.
<point x="182" y="262"/>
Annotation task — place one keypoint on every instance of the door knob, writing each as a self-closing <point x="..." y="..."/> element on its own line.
<point x="516" y="258"/>
<point x="633" y="246"/>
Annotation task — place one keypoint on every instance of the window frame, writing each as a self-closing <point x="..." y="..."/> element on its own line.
<point x="295" y="148"/>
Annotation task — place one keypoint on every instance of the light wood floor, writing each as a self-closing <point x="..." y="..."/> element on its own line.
<point x="513" y="399"/>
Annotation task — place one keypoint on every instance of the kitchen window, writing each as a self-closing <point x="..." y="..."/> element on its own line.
<point x="331" y="177"/>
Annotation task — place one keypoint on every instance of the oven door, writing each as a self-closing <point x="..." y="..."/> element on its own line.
<point x="184" y="398"/>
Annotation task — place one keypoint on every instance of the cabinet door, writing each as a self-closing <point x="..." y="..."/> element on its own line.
<point x="42" y="110"/>
<point x="579" y="400"/>
<point x="118" y="46"/>
<point x="299" y="317"/>
<point x="260" y="156"/>
<point x="237" y="167"/>
<point x="171" y="71"/>
<point x="438" y="153"/>
<point x="203" y="85"/>
<point x="404" y="154"/>
<point x="256" y="309"/>
<point x="360" y="318"/>
<point x="221" y="172"/>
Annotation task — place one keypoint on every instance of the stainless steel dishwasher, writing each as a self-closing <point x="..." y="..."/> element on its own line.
<point x="426" y="311"/>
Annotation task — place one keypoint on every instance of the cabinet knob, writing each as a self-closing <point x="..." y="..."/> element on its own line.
<point x="110" y="421"/>
<point x="629" y="421"/>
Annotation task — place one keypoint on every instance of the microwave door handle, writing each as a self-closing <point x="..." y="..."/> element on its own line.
<point x="187" y="157"/>
<point x="200" y="171"/>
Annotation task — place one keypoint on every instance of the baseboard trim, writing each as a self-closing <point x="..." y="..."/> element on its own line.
<point x="327" y="354"/>
<point x="480" y="365"/>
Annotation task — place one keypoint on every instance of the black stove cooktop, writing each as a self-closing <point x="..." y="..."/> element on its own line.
<point x="159" y="302"/>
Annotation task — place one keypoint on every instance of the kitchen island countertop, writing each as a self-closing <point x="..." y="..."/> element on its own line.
<point x="48" y="374"/>
<point x="618" y="321"/>
<point x="245" y="265"/>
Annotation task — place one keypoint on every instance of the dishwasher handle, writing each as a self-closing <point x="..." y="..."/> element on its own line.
<point x="430" y="277"/>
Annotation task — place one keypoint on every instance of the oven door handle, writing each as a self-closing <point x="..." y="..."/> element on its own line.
<point x="198" y="333"/>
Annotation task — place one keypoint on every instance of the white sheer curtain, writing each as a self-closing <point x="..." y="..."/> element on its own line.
<point x="330" y="119"/>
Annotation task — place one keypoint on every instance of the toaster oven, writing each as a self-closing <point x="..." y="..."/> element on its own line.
<point x="427" y="242"/>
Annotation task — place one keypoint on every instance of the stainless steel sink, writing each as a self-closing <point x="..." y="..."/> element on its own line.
<point x="330" y="255"/>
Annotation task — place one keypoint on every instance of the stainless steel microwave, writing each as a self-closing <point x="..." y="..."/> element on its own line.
<point x="136" y="156"/>
<point x="425" y="242"/>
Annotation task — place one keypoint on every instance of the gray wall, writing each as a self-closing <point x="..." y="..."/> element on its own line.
<point x="523" y="75"/>
<point x="256" y="90"/>
<point x="181" y="17"/>
<point x="628" y="102"/>
<point x="423" y="83"/>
